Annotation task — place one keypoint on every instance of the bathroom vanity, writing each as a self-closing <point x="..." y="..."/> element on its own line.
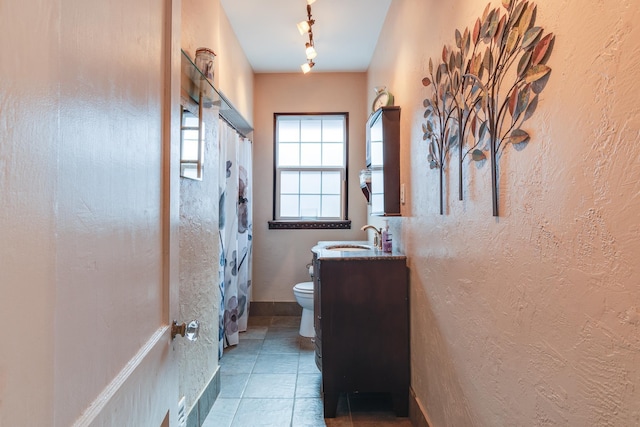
<point x="361" y="307"/>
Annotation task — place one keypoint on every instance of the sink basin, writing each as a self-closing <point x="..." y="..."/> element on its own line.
<point x="348" y="247"/>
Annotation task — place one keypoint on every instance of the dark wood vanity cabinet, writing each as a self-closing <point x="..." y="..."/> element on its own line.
<point x="362" y="328"/>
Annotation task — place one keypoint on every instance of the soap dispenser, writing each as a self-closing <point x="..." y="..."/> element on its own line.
<point x="386" y="238"/>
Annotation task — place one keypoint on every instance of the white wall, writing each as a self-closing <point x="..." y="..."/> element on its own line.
<point x="531" y="318"/>
<point x="280" y="256"/>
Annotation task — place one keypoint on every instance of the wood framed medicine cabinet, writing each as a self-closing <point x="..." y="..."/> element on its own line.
<point x="383" y="160"/>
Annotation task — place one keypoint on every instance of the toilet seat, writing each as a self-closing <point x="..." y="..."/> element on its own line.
<point x="304" y="287"/>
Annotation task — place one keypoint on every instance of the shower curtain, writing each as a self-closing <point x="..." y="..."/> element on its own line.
<point x="235" y="234"/>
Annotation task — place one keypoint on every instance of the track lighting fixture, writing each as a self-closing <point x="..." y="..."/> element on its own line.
<point x="307" y="66"/>
<point x="306" y="27"/>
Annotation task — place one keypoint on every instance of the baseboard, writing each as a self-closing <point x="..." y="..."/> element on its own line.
<point x="274" y="308"/>
<point x="205" y="401"/>
<point x="417" y="414"/>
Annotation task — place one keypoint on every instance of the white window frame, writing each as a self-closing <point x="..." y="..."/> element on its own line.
<point x="300" y="221"/>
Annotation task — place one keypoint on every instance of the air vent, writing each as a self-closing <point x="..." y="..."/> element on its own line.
<point x="182" y="413"/>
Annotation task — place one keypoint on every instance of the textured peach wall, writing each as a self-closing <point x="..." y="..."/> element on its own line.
<point x="531" y="318"/>
<point x="280" y="256"/>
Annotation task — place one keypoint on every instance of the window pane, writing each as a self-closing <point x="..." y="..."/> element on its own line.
<point x="332" y="155"/>
<point x="310" y="182"/>
<point x="310" y="131"/>
<point x="310" y="154"/>
<point x="289" y="182"/>
<point x="289" y="155"/>
<point x="309" y="206"/>
<point x="289" y="206"/>
<point x="288" y="130"/>
<point x="333" y="130"/>
<point x="331" y="206"/>
<point x="311" y="165"/>
<point x="331" y="183"/>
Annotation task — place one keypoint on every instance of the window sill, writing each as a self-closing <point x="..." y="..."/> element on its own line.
<point x="310" y="225"/>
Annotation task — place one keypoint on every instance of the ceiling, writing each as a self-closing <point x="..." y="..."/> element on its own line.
<point x="345" y="33"/>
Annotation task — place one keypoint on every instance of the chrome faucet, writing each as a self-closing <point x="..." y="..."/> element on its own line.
<point x="377" y="238"/>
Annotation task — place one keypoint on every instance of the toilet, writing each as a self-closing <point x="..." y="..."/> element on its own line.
<point x="304" y="295"/>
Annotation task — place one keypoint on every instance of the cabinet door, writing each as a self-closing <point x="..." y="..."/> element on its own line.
<point x="383" y="159"/>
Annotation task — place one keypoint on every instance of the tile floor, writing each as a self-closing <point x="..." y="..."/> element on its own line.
<point x="270" y="379"/>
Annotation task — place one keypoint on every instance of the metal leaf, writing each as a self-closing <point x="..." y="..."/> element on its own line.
<point x="475" y="64"/>
<point x="523" y="101"/>
<point x="526" y="21"/>
<point x="474" y="121"/>
<point x="539" y="85"/>
<point x="500" y="30"/>
<point x="492" y="26"/>
<point x="536" y="72"/>
<point x="445" y="54"/>
<point x="478" y="155"/>
<point x="517" y="136"/>
<point x="541" y="49"/>
<point x="523" y="65"/>
<point x="458" y="39"/>
<point x="506" y="4"/>
<point x="486" y="11"/>
<point x="426" y="81"/>
<point x="466" y="42"/>
<point x="488" y="59"/>
<point x="458" y="60"/>
<point x="424" y="128"/>
<point x="430" y="66"/>
<point x="476" y="32"/>
<point x="452" y="61"/>
<point x="512" y="40"/>
<point x="483" y="30"/>
<point x="531" y="108"/>
<point x="513" y="99"/>
<point x="530" y="37"/>
<point x="517" y="12"/>
<point x="432" y="149"/>
<point x="484" y="127"/>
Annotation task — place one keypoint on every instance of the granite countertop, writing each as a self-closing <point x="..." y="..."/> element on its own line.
<point x="322" y="251"/>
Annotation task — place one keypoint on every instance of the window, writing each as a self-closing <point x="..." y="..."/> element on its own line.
<point x="310" y="164"/>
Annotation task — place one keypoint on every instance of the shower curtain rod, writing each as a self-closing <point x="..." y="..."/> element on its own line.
<point x="232" y="126"/>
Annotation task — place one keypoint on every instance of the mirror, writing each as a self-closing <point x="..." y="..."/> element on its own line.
<point x="191" y="144"/>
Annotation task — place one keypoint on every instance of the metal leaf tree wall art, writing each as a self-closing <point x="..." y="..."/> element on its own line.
<point x="485" y="95"/>
<point x="437" y="129"/>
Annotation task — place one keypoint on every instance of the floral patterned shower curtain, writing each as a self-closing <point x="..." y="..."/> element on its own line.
<point x="235" y="234"/>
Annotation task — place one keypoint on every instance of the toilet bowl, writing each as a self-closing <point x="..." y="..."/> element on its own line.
<point x="304" y="296"/>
